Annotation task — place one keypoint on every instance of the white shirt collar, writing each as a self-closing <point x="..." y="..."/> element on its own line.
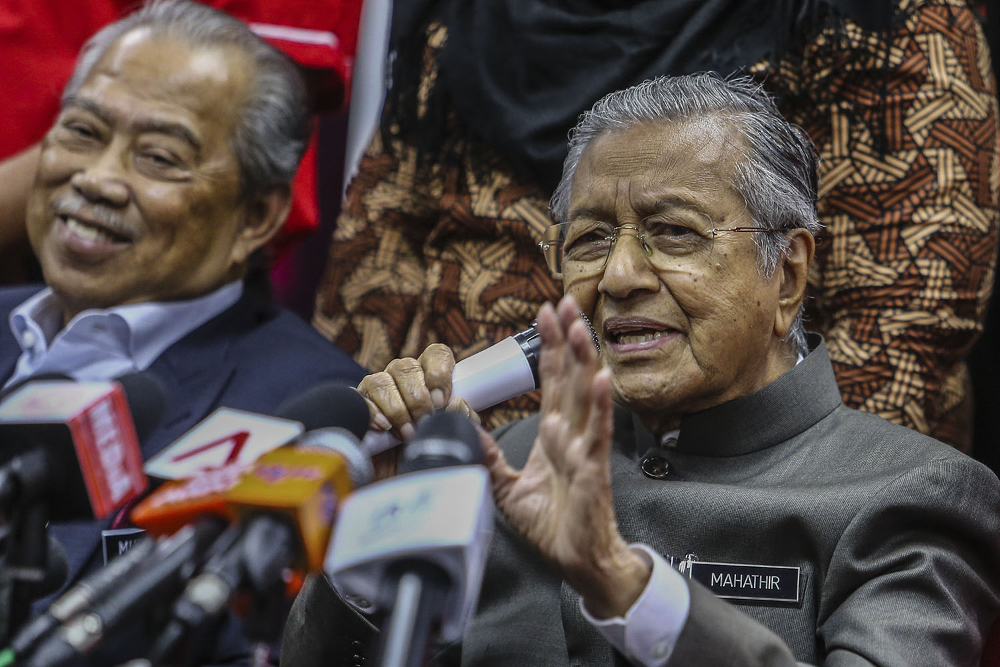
<point x="99" y="344"/>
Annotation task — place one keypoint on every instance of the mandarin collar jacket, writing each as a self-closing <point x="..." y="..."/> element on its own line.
<point x="896" y="537"/>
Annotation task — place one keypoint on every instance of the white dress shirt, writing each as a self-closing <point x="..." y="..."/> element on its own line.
<point x="101" y="344"/>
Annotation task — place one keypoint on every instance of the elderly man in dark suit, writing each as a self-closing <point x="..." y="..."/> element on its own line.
<point x="696" y="493"/>
<point x="164" y="176"/>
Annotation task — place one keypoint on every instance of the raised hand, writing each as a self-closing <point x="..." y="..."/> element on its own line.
<point x="561" y="500"/>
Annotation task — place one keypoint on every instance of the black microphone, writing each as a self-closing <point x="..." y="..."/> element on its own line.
<point x="417" y="543"/>
<point x="75" y="446"/>
<point x="326" y="405"/>
<point x="70" y="452"/>
<point x="173" y="561"/>
<point x="81" y="596"/>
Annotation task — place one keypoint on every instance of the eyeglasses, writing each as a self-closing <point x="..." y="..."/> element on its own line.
<point x="582" y="248"/>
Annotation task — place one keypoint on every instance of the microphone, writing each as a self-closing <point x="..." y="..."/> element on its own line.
<point x="75" y="445"/>
<point x="283" y="509"/>
<point x="168" y="511"/>
<point x="34" y="378"/>
<point x="81" y="596"/>
<point x="236" y="437"/>
<point x="172" y="562"/>
<point x="419" y="541"/>
<point x="498" y="373"/>
<point x="195" y="490"/>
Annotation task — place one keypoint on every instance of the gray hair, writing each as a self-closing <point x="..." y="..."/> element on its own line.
<point x="776" y="176"/>
<point x="270" y="136"/>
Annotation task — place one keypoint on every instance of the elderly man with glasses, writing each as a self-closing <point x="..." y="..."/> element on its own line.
<point x="696" y="493"/>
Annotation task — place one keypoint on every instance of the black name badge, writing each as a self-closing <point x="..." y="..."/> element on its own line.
<point x="736" y="581"/>
<point x="118" y="541"/>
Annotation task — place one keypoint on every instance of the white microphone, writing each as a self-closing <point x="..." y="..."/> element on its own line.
<point x="498" y="373"/>
<point x="430" y="527"/>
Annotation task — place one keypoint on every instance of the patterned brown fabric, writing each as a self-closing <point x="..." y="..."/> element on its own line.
<point x="906" y="125"/>
<point x="907" y="131"/>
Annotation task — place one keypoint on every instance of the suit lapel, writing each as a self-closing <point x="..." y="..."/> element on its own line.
<point x="195" y="371"/>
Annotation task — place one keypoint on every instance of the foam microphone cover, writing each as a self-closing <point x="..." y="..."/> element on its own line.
<point x="147" y="401"/>
<point x="328" y="405"/>
<point x="442" y="439"/>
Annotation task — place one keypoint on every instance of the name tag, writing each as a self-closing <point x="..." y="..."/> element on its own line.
<point x="117" y="541"/>
<point x="736" y="581"/>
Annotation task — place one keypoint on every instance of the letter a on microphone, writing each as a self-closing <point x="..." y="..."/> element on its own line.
<point x="225" y="437"/>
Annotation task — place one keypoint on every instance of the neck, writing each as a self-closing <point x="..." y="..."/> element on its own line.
<point x="782" y="358"/>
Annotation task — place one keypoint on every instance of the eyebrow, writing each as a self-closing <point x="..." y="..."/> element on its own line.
<point x="173" y="129"/>
<point x="646" y="206"/>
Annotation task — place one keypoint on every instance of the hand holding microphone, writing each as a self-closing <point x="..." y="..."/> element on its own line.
<point x="410" y="388"/>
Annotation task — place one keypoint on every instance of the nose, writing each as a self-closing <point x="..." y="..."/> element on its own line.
<point x="103" y="180"/>
<point x="628" y="268"/>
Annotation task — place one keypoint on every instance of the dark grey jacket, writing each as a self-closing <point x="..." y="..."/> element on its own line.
<point x="897" y="537"/>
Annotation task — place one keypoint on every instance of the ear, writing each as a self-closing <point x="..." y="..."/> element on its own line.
<point x="793" y="274"/>
<point x="265" y="213"/>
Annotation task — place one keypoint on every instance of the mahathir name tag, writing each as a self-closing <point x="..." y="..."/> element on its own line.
<point x="737" y="581"/>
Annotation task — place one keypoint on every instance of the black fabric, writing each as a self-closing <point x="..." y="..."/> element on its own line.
<point x="519" y="72"/>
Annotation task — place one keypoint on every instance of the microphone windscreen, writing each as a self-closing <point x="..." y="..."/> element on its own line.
<point x="442" y="439"/>
<point x="147" y="401"/>
<point x="328" y="405"/>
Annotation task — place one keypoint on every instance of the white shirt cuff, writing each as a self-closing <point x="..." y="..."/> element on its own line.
<point x="650" y="628"/>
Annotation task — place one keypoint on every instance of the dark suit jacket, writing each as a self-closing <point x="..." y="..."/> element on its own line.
<point x="897" y="537"/>
<point x="252" y="356"/>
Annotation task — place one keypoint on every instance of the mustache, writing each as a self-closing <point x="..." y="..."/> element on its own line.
<point x="73" y="205"/>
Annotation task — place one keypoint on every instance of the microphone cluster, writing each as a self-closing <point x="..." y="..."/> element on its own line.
<point x="247" y="508"/>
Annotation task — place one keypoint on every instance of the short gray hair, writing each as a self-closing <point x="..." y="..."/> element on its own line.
<point x="776" y="176"/>
<point x="271" y="134"/>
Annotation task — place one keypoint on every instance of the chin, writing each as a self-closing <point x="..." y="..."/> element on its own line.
<point x="657" y="392"/>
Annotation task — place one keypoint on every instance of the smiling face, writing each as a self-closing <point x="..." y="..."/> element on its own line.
<point x="684" y="338"/>
<point x="137" y="195"/>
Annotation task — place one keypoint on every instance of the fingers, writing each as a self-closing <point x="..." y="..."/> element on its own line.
<point x="408" y="389"/>
<point x="460" y="406"/>
<point x="502" y="474"/>
<point x="576" y="396"/>
<point x="601" y="422"/>
<point x="438" y="364"/>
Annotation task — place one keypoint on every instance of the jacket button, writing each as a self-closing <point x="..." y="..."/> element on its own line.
<point x="655" y="467"/>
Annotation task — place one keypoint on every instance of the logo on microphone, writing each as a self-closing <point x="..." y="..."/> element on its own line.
<point x="225" y="437"/>
<point x="110" y="449"/>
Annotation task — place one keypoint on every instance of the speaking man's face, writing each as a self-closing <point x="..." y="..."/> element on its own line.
<point x="137" y="195"/>
<point x="686" y="320"/>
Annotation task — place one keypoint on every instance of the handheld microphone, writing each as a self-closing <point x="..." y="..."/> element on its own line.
<point x="419" y="541"/>
<point x="498" y="373"/>
<point x="75" y="445"/>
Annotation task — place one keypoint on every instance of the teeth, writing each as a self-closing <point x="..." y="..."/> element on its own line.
<point x="626" y="339"/>
<point x="87" y="232"/>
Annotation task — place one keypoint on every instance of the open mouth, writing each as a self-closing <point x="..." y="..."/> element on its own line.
<point x="627" y="331"/>
<point x="631" y="337"/>
<point x="91" y="232"/>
